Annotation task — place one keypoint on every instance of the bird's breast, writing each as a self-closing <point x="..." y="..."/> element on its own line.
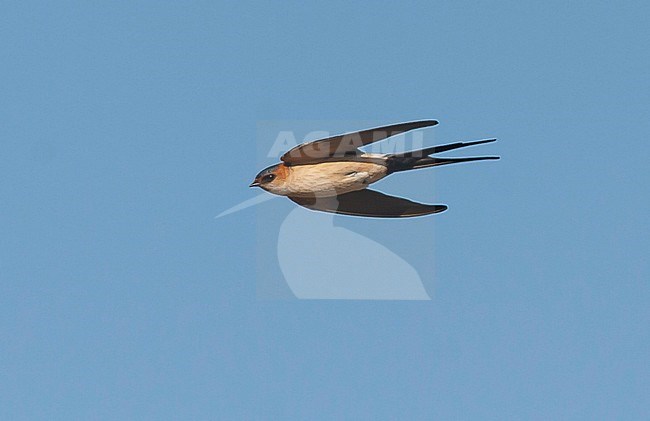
<point x="332" y="178"/>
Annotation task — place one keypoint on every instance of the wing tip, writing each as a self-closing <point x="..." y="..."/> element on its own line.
<point x="436" y="209"/>
<point x="430" y="122"/>
<point x="429" y="210"/>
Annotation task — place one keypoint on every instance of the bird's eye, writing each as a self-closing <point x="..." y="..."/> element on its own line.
<point x="268" y="177"/>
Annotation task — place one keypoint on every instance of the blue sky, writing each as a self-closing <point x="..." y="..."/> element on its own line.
<point x="126" y="126"/>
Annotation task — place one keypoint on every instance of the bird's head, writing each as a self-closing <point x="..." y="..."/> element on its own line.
<point x="271" y="179"/>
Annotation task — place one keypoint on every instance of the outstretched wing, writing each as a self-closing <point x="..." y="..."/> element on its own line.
<point x="368" y="203"/>
<point x="347" y="144"/>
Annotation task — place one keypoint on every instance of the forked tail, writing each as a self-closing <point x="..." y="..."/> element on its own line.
<point x="421" y="159"/>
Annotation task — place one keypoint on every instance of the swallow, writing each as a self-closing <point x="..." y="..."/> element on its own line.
<point x="333" y="174"/>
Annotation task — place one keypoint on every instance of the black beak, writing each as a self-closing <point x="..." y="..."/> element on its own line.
<point x="254" y="184"/>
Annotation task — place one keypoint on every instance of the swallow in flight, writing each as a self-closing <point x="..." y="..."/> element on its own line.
<point x="333" y="175"/>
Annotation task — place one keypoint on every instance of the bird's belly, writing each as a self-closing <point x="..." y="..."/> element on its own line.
<point x="333" y="178"/>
